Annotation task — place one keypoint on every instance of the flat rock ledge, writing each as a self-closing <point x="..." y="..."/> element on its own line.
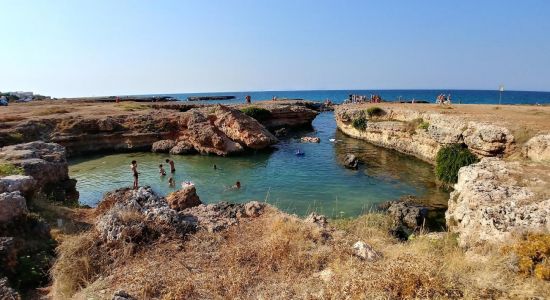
<point x="494" y="199"/>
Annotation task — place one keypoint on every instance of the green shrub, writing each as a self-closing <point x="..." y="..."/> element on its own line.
<point x="9" y="169"/>
<point x="374" y="111"/>
<point x="450" y="159"/>
<point x="257" y="113"/>
<point x="360" y="123"/>
<point x="424" y="125"/>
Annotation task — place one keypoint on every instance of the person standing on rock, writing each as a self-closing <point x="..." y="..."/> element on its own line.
<point x="133" y="166"/>
<point x="248" y="99"/>
<point x="172" y="167"/>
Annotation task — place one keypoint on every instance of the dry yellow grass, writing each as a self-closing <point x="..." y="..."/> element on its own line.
<point x="277" y="256"/>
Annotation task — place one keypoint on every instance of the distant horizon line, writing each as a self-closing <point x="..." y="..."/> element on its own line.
<point x="298" y="90"/>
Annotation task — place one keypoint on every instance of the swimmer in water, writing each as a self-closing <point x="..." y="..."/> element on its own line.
<point x="237" y="185"/>
<point x="171" y="182"/>
<point x="162" y="172"/>
<point x="172" y="167"/>
<point x="133" y="166"/>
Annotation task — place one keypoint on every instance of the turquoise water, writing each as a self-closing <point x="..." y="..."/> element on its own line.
<point x="316" y="181"/>
<point x="337" y="96"/>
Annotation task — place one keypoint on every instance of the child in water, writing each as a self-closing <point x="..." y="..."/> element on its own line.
<point x="171" y="182"/>
<point x="133" y="166"/>
<point x="161" y="170"/>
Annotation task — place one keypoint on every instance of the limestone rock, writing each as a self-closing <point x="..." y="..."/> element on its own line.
<point x="216" y="217"/>
<point x="12" y="205"/>
<point x="408" y="214"/>
<point x="365" y="251"/>
<point x="538" y="148"/>
<point x="317" y="219"/>
<point x="163" y="146"/>
<point x="6" y="292"/>
<point x="253" y="209"/>
<point x="46" y="163"/>
<point x="122" y="295"/>
<point x="182" y="147"/>
<point x="8" y="254"/>
<point x="351" y="161"/>
<point x="310" y="139"/>
<point x="487" y="140"/>
<point x="132" y="213"/>
<point x="493" y="199"/>
<point x="184" y="198"/>
<point x="22" y="183"/>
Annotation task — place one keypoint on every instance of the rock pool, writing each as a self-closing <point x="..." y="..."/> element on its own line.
<point x="316" y="181"/>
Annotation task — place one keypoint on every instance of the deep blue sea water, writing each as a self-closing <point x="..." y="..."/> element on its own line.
<point x="337" y="96"/>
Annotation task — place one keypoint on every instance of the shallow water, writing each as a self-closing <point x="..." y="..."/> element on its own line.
<point x="314" y="182"/>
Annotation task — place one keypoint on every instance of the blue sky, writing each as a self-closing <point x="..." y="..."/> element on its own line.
<point x="85" y="48"/>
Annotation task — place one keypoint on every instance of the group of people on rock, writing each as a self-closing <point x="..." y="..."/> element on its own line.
<point x="443" y="99"/>
<point x="171" y="180"/>
<point x="363" y="99"/>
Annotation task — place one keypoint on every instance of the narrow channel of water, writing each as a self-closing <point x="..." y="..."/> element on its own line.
<point x="316" y="181"/>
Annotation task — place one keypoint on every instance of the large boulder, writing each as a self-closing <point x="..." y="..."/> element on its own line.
<point x="46" y="163"/>
<point x="365" y="251"/>
<point x="488" y="140"/>
<point x="183" y="147"/>
<point x="163" y="146"/>
<point x="494" y="199"/>
<point x="184" y="198"/>
<point x="24" y="184"/>
<point x="538" y="148"/>
<point x="12" y="206"/>
<point x="408" y="214"/>
<point x="6" y="292"/>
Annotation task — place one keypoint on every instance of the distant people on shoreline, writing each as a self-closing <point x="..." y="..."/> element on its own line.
<point x="363" y="99"/>
<point x="443" y="99"/>
<point x="248" y="99"/>
<point x="135" y="172"/>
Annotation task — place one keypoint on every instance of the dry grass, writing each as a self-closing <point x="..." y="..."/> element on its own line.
<point x="277" y="256"/>
<point x="52" y="111"/>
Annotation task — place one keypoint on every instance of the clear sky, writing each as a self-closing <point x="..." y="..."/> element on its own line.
<point x="85" y="48"/>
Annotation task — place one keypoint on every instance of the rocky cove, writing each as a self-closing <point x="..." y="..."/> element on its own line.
<point x="495" y="200"/>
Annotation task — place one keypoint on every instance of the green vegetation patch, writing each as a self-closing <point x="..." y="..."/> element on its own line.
<point x="7" y="169"/>
<point x="132" y="106"/>
<point x="375" y="111"/>
<point x="424" y="125"/>
<point x="257" y="113"/>
<point x="450" y="159"/>
<point x="360" y="123"/>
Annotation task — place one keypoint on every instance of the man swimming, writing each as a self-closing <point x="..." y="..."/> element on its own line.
<point x="133" y="166"/>
<point x="172" y="167"/>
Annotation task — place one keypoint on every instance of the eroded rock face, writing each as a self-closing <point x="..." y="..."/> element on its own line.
<point x="12" y="206"/>
<point x="46" y="163"/>
<point x="184" y="198"/>
<point x="538" y="148"/>
<point x="487" y="140"/>
<point x="6" y="292"/>
<point x="494" y="198"/>
<point x="24" y="184"/>
<point x="407" y="214"/>
<point x="399" y="129"/>
<point x="182" y="147"/>
<point x="365" y="251"/>
<point x="133" y="215"/>
<point x="163" y="146"/>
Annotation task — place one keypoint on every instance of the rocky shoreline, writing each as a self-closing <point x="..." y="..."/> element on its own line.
<point x="125" y="242"/>
<point x="216" y="129"/>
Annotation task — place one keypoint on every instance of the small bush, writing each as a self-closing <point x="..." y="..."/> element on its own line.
<point x="374" y="111"/>
<point x="257" y="113"/>
<point x="411" y="126"/>
<point x="533" y="255"/>
<point x="424" y="125"/>
<point x="450" y="159"/>
<point x="132" y="106"/>
<point x="15" y="137"/>
<point x="360" y="123"/>
<point x="9" y="169"/>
